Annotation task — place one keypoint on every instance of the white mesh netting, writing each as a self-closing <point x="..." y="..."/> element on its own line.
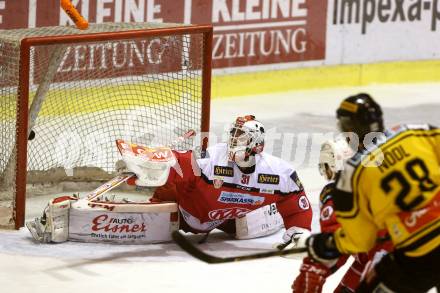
<point x="85" y="95"/>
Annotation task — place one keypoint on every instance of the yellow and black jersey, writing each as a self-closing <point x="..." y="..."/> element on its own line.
<point x="326" y="193"/>
<point x="395" y="185"/>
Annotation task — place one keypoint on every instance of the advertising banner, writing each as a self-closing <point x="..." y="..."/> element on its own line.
<point x="33" y="13"/>
<point x="112" y="59"/>
<point x="367" y="31"/>
<point x="105" y="226"/>
<point x="255" y="32"/>
<point x="266" y="33"/>
<point x="251" y="32"/>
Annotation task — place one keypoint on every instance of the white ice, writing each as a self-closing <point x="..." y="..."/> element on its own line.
<point x="26" y="266"/>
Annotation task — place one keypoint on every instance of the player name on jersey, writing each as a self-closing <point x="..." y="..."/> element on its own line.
<point x="392" y="157"/>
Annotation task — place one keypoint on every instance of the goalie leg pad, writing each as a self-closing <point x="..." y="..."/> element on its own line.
<point x="260" y="222"/>
<point x="125" y="223"/>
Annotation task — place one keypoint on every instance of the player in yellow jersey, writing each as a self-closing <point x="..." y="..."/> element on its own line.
<point x="393" y="183"/>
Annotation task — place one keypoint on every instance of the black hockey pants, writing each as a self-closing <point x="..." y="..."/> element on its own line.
<point x="399" y="273"/>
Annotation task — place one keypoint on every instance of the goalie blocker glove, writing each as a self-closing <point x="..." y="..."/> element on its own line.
<point x="322" y="248"/>
<point x="297" y="236"/>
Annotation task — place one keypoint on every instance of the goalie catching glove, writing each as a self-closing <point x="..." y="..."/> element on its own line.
<point x="296" y="236"/>
<point x="151" y="165"/>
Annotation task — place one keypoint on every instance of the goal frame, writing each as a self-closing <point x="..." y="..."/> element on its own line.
<point x="22" y="119"/>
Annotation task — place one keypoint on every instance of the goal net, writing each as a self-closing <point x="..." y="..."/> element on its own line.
<point x="66" y="95"/>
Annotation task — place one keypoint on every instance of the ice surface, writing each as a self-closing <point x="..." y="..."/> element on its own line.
<point x="26" y="266"/>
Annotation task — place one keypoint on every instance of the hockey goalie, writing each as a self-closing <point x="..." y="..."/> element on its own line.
<point x="239" y="189"/>
<point x="99" y="217"/>
<point x="235" y="188"/>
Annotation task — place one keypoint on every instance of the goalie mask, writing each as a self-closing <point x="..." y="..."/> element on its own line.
<point x="332" y="156"/>
<point x="246" y="138"/>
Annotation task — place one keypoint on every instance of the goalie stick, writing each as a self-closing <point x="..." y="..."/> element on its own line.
<point x="194" y="251"/>
<point x="283" y="245"/>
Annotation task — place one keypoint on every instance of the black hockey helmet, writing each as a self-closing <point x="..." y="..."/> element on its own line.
<point x="360" y="114"/>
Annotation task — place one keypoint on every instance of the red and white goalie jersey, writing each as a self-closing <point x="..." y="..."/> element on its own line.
<point x="212" y="190"/>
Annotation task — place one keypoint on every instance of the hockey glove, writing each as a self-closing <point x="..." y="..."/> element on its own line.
<point x="297" y="236"/>
<point x="322" y="248"/>
<point x="311" y="278"/>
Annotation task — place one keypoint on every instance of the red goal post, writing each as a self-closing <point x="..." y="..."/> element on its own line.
<point x="143" y="82"/>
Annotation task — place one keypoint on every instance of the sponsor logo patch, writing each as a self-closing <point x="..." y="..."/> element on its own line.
<point x="268" y="179"/>
<point x="117" y="225"/>
<point x="326" y="213"/>
<point x="240" y="198"/>
<point x="303" y="203"/>
<point x="229" y="213"/>
<point x="238" y="186"/>
<point x="223" y="171"/>
<point x="265" y="190"/>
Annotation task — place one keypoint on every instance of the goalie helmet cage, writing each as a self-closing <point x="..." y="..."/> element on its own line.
<point x="66" y="95"/>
